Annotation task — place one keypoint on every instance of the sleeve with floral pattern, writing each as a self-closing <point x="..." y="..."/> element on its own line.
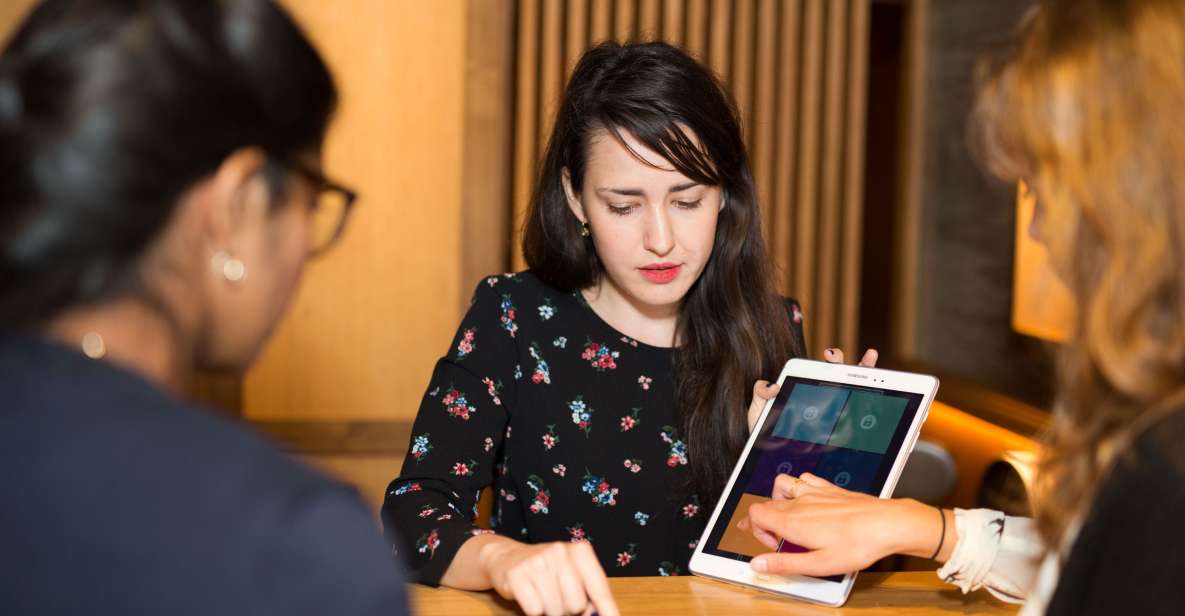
<point x="429" y="510"/>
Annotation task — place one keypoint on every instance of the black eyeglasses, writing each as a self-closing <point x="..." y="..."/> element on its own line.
<point x="330" y="208"/>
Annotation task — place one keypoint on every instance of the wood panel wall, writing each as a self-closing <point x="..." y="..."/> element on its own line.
<point x="798" y="72"/>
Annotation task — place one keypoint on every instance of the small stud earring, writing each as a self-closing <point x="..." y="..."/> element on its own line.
<point x="584" y="232"/>
<point x="231" y="269"/>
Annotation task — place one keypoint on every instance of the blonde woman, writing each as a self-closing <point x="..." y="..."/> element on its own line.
<point x="1089" y="109"/>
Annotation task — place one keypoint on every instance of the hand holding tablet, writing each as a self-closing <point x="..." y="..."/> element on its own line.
<point x="851" y="426"/>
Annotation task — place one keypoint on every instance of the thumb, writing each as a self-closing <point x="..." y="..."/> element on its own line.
<point x="818" y="563"/>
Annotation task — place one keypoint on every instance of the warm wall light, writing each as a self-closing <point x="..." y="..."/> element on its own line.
<point x="1041" y="304"/>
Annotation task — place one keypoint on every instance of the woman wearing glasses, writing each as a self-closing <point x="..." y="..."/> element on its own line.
<point x="160" y="197"/>
<point x="1087" y="108"/>
<point x="602" y="395"/>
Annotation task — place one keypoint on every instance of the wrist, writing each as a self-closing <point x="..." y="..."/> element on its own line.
<point x="491" y="549"/>
<point x="919" y="527"/>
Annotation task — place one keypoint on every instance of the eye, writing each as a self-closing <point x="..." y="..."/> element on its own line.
<point x="621" y="209"/>
<point x="688" y="205"/>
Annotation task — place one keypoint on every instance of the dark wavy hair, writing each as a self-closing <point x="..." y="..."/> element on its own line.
<point x="111" y="109"/>
<point x="733" y="327"/>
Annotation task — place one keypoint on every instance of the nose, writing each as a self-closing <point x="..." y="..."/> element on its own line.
<point x="659" y="237"/>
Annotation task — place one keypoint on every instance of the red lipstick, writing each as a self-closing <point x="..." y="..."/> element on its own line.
<point x="660" y="273"/>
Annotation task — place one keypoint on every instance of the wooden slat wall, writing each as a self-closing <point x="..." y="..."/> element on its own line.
<point x="797" y="70"/>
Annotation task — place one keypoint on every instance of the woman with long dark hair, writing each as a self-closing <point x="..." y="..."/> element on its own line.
<point x="603" y="393"/>
<point x="1086" y="108"/>
<point x="160" y="194"/>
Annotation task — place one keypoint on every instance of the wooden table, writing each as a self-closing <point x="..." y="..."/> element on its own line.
<point x="910" y="592"/>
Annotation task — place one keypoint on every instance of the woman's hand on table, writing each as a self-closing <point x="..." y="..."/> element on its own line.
<point x="843" y="531"/>
<point x="763" y="390"/>
<point x="549" y="578"/>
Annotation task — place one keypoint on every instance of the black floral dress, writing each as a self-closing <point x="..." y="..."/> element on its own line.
<point x="570" y="422"/>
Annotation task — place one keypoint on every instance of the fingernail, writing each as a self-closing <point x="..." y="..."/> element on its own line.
<point x="759" y="565"/>
<point x="829" y="352"/>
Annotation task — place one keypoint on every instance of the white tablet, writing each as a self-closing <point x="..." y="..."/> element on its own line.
<point x="850" y="425"/>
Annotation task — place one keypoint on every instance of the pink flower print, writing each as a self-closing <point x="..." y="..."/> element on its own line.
<point x="508" y="316"/>
<point x="457" y="405"/>
<point x="464" y="469"/>
<point x="560" y="470"/>
<point x="507" y="496"/>
<point x="492" y="281"/>
<point x="551" y="439"/>
<point x="629" y="341"/>
<point x="487" y="444"/>
<point x="481" y="531"/>
<point x="542" y="498"/>
<point x="629" y="421"/>
<point x="428" y="543"/>
<point x="576" y="533"/>
<point x="427" y="511"/>
<point x="443" y="517"/>
<point x="628" y="556"/>
<point x="466" y="346"/>
<point x="677" y="453"/>
<point x="644" y="382"/>
<point x="691" y="509"/>
<point x="796" y="313"/>
<point x="493" y="388"/>
<point x="632" y="466"/>
<point x="542" y="372"/>
<point x="599" y="356"/>
<point x="602" y="493"/>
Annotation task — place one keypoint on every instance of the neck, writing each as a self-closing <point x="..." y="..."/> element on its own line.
<point x="134" y="336"/>
<point x="653" y="325"/>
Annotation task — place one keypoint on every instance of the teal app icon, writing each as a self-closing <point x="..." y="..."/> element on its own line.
<point x="810" y="413"/>
<point x="868" y="422"/>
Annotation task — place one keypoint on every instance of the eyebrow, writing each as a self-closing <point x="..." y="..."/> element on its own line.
<point x="637" y="192"/>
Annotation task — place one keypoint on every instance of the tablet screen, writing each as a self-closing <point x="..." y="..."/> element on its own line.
<point x="846" y="434"/>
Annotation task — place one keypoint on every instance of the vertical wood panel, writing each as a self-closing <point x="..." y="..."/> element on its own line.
<point x="576" y="34"/>
<point x="833" y="107"/>
<point x="486" y="190"/>
<point x="785" y="193"/>
<point x="526" y="103"/>
<point x="600" y="20"/>
<point x="806" y="212"/>
<point x="719" y="49"/>
<point x="672" y="21"/>
<point x="623" y="19"/>
<point x="696" y="34"/>
<point x="648" y="19"/>
<point x="858" y="41"/>
<point x="762" y="124"/>
<point x="741" y="69"/>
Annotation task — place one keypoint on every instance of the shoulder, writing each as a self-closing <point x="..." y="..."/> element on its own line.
<point x="514" y="287"/>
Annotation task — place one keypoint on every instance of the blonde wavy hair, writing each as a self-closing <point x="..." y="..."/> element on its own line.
<point x="1089" y="109"/>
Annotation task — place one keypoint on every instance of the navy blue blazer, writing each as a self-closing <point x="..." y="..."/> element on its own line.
<point x="120" y="499"/>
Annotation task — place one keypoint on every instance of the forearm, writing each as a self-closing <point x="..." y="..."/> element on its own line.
<point x="469" y="569"/>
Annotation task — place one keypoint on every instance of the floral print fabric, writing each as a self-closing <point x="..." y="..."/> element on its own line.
<point x="569" y="423"/>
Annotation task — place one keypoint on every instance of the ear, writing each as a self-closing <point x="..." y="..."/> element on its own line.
<point x="237" y="200"/>
<point x="573" y="197"/>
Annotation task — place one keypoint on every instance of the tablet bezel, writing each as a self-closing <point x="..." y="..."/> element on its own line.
<point x="812" y="589"/>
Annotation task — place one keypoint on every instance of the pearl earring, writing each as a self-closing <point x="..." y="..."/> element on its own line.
<point x="584" y="232"/>
<point x="232" y="269"/>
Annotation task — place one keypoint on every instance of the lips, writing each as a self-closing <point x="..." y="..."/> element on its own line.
<point x="660" y="273"/>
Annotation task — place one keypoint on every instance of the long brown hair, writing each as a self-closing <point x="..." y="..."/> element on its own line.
<point x="733" y="328"/>
<point x="1090" y="108"/>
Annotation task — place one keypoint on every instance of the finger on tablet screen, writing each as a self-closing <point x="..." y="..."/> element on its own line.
<point x="816" y="563"/>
